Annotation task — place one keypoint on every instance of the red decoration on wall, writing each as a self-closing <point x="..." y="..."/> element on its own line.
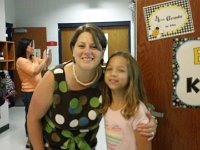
<point x="51" y="43"/>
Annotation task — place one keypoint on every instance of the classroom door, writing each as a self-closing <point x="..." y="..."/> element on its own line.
<point x="179" y="129"/>
<point x="118" y="39"/>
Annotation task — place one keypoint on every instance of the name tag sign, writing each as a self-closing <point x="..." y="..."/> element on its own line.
<point x="168" y="19"/>
<point x="186" y="72"/>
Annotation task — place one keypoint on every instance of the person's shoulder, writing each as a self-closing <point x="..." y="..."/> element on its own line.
<point x="142" y="107"/>
<point x="141" y="110"/>
<point x="21" y="59"/>
<point x="140" y="114"/>
<point x="59" y="66"/>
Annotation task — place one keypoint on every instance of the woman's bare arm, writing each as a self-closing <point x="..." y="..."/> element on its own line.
<point x="40" y="103"/>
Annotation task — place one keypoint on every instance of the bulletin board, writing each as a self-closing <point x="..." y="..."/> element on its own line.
<point x="186" y="72"/>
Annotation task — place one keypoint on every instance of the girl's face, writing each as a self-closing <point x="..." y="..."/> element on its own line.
<point x="116" y="74"/>
<point x="29" y="49"/>
<point x="85" y="52"/>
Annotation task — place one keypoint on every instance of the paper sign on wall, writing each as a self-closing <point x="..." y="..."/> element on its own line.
<point x="168" y="19"/>
<point x="186" y="72"/>
<point x="37" y="53"/>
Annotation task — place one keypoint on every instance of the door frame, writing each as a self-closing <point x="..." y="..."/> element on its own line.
<point x="99" y="24"/>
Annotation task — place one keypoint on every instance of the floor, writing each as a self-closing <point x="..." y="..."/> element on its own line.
<point x="14" y="138"/>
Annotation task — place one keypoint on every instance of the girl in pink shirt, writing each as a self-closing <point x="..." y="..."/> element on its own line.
<point x="123" y="104"/>
<point x="29" y="70"/>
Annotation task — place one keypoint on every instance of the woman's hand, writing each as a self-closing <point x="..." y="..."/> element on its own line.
<point x="47" y="55"/>
<point x="148" y="129"/>
<point x="44" y="55"/>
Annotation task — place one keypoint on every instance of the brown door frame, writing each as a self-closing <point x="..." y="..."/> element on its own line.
<point x="100" y="24"/>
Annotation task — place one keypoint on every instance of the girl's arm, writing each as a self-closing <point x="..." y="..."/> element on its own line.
<point x="142" y="142"/>
<point x="40" y="103"/>
<point x="149" y="129"/>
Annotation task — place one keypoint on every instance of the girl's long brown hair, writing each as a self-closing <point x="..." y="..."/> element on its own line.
<point x="135" y="89"/>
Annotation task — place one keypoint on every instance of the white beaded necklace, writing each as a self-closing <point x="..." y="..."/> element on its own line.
<point x="85" y="84"/>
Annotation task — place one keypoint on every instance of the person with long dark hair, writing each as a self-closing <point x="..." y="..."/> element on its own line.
<point x="29" y="69"/>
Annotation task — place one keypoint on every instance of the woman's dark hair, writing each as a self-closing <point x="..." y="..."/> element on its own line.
<point x="97" y="34"/>
<point x="22" y="46"/>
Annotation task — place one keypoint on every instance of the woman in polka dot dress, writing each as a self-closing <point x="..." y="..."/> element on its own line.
<point x="64" y="110"/>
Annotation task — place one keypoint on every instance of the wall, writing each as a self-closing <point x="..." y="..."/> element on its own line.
<point x="48" y="13"/>
<point x="10" y="11"/>
<point x="2" y="21"/>
<point x="4" y="114"/>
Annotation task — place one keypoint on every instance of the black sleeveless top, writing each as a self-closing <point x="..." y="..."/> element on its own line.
<point x="73" y="119"/>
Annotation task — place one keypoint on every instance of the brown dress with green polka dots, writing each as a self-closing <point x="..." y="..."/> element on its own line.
<point x="73" y="120"/>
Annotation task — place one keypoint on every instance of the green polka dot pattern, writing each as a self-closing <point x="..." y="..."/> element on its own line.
<point x="75" y="112"/>
<point x="94" y="102"/>
<point x="63" y="86"/>
<point x="74" y="103"/>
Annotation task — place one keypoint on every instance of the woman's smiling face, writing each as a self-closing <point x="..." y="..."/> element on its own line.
<point x="85" y="52"/>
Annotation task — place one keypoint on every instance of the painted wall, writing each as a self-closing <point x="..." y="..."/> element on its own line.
<point x="10" y="11"/>
<point x="2" y="21"/>
<point x="4" y="114"/>
<point x="48" y="13"/>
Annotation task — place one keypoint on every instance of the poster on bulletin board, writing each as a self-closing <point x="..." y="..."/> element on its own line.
<point x="171" y="18"/>
<point x="186" y="73"/>
<point x="37" y="53"/>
